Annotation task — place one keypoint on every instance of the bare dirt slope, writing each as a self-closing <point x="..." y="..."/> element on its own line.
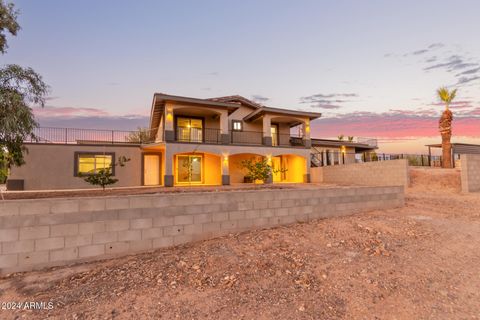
<point x="418" y="262"/>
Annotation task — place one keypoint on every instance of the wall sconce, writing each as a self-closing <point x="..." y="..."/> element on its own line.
<point x="169" y="115"/>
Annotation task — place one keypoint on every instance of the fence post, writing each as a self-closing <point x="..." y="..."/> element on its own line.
<point x="66" y="135"/>
<point x="112" y="136"/>
<point x="422" y="160"/>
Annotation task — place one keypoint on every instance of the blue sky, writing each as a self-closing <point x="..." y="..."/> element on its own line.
<point x="360" y="62"/>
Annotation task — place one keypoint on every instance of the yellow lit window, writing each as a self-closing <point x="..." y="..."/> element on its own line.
<point x="91" y="163"/>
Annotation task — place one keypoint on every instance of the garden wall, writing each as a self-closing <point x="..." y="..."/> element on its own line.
<point x="50" y="232"/>
<point x="470" y="173"/>
<point x="386" y="173"/>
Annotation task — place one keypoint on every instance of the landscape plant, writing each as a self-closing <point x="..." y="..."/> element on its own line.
<point x="260" y="169"/>
<point x="445" y="125"/>
<point x="141" y="135"/>
<point x="104" y="177"/>
<point x="340" y="137"/>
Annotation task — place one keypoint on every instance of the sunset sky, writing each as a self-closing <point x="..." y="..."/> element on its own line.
<point x="371" y="67"/>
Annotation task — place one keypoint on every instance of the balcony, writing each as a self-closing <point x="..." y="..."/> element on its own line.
<point x="182" y="134"/>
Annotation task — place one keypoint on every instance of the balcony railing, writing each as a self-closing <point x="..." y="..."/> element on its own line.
<point x="246" y="137"/>
<point x="87" y="136"/>
<point x="198" y="135"/>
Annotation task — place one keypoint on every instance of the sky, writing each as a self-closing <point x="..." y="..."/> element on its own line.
<point x="370" y="67"/>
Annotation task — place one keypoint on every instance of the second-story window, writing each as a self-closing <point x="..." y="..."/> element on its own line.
<point x="237" y="125"/>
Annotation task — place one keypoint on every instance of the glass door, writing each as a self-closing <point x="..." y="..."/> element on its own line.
<point x="189" y="129"/>
<point x="189" y="169"/>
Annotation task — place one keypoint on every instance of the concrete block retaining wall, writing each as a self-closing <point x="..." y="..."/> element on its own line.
<point x="386" y="173"/>
<point x="470" y="173"/>
<point x="50" y="232"/>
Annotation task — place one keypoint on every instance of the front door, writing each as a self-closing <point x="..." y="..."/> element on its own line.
<point x="151" y="169"/>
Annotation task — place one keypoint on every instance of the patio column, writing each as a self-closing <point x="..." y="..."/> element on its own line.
<point x="267" y="131"/>
<point x="169" y="128"/>
<point x="224" y="134"/>
<point x="306" y="176"/>
<point x="225" y="170"/>
<point x="168" y="179"/>
<point x="307" y="142"/>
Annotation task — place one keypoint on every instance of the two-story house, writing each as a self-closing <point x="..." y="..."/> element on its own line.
<point x="203" y="141"/>
<point x="190" y="142"/>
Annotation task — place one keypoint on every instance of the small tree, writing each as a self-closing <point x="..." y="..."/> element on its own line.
<point x="104" y="177"/>
<point x="140" y="136"/>
<point x="340" y="137"/>
<point x="350" y="138"/>
<point x="260" y="169"/>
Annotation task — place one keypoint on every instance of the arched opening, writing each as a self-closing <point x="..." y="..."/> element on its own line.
<point x="238" y="174"/>
<point x="288" y="168"/>
<point x="197" y="168"/>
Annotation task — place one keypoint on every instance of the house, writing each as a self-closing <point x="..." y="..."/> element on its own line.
<point x="190" y="142"/>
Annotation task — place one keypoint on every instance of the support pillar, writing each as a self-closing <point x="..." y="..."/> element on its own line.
<point x="225" y="170"/>
<point x="267" y="131"/>
<point x="168" y="179"/>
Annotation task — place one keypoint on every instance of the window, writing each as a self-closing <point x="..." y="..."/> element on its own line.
<point x="189" y="129"/>
<point x="237" y="125"/>
<point x="89" y="162"/>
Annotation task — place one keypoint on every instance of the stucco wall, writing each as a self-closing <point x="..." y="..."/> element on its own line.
<point x="387" y="173"/>
<point x="470" y="173"/>
<point x="51" y="166"/>
<point x="51" y="232"/>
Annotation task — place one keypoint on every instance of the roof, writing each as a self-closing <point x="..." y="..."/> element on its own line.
<point x="261" y="111"/>
<point x="159" y="100"/>
<point x="439" y="145"/>
<point x="237" y="99"/>
<point x="231" y="103"/>
<point x="339" y="143"/>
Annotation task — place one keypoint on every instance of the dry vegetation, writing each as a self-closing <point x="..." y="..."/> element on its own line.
<point x="418" y="262"/>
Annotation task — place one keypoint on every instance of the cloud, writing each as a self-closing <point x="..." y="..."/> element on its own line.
<point x="396" y="124"/>
<point x="437" y="45"/>
<point x="419" y="52"/>
<point x="49" y="111"/>
<point x="89" y="118"/>
<point x="328" y="101"/>
<point x="464" y="80"/>
<point x="258" y="98"/>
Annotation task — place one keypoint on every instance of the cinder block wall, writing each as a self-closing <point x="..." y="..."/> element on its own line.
<point x="381" y="173"/>
<point x="470" y="173"/>
<point x="50" y="232"/>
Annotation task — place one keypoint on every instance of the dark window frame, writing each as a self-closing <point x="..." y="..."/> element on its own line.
<point x="175" y="126"/>
<point x="76" y="160"/>
<point x="237" y="121"/>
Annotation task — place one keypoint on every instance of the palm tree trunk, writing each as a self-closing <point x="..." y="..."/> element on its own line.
<point x="445" y="128"/>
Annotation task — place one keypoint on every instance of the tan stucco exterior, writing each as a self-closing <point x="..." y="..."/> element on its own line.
<point x="51" y="166"/>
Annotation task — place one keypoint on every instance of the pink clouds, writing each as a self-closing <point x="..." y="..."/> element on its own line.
<point x="394" y="124"/>
<point x="68" y="112"/>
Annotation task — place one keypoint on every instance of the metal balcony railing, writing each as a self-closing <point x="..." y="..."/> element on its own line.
<point x="86" y="136"/>
<point x="246" y="137"/>
<point x="198" y="135"/>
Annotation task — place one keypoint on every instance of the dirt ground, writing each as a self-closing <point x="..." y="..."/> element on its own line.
<point x="417" y="262"/>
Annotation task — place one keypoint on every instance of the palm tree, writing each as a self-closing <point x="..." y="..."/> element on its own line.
<point x="445" y="125"/>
